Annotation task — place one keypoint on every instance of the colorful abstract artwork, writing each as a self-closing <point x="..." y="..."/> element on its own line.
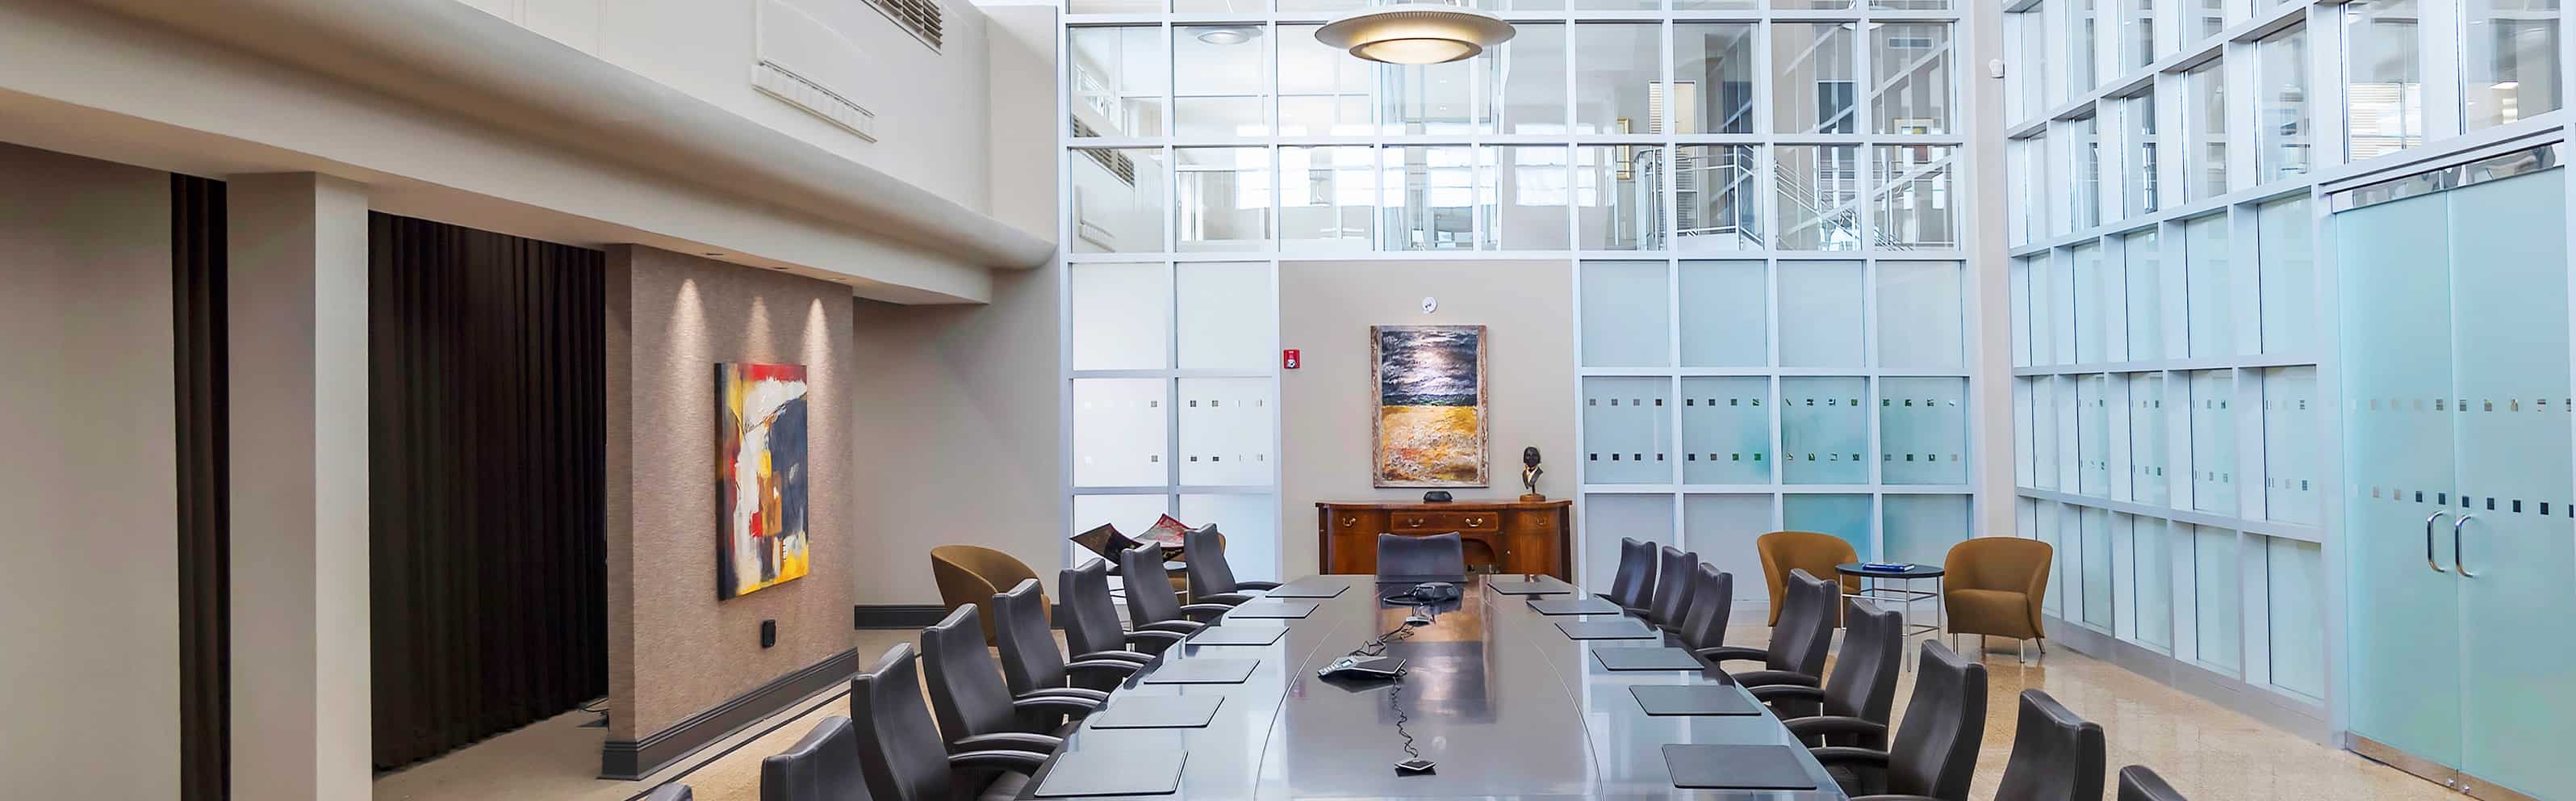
<point x="1430" y="423"/>
<point x="760" y="477"/>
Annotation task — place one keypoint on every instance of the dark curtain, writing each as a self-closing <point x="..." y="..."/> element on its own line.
<point x="486" y="382"/>
<point x="205" y="511"/>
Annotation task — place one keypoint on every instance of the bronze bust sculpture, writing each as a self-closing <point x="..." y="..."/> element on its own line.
<point x="1530" y="471"/>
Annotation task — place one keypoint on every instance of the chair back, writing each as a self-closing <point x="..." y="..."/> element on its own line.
<point x="966" y="690"/>
<point x="899" y="752"/>
<point x="1712" y="600"/>
<point x="968" y="574"/>
<point x="1204" y="550"/>
<point x="1634" y="584"/>
<point x="1935" y="750"/>
<point x="1436" y="557"/>
<point x="2056" y="756"/>
<point x="1090" y="615"/>
<point x="1997" y="563"/>
<point x="1029" y="658"/>
<point x="1806" y="628"/>
<point x="824" y="766"/>
<point x="2138" y="783"/>
<point x="1863" y="684"/>
<point x="674" y="791"/>
<point x="1672" y="597"/>
<point x="1786" y="551"/>
<point x="1149" y="588"/>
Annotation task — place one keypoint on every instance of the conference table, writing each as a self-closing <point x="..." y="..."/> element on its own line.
<point x="1495" y="693"/>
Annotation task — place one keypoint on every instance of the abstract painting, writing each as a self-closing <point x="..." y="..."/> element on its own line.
<point x="1430" y="423"/>
<point x="760" y="477"/>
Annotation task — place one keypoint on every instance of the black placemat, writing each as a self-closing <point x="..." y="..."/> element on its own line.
<point x="1271" y="610"/>
<point x="1202" y="671"/>
<point x="1544" y="585"/>
<point x="1310" y="587"/>
<point x="1238" y="635"/>
<point x="1665" y="700"/>
<point x="1157" y="712"/>
<point x="1078" y="774"/>
<point x="1736" y="767"/>
<point x="1622" y="629"/>
<point x="1573" y="606"/>
<point x="1633" y="658"/>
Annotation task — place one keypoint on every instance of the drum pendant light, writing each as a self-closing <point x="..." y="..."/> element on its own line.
<point x="1415" y="33"/>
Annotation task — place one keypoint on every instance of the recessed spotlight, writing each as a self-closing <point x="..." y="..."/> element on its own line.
<point x="1228" y="34"/>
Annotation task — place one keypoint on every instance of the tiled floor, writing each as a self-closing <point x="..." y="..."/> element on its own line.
<point x="2209" y="753"/>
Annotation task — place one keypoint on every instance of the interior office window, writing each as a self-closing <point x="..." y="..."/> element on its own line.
<point x="1122" y="314"/>
<point x="2284" y="243"/>
<point x="2080" y="41"/>
<point x="2137" y="33"/>
<point x="1913" y="209"/>
<point x="2144" y="274"/>
<point x="1327" y="198"/>
<point x="1115" y="81"/>
<point x="2084" y="172"/>
<point x="1220" y="80"/>
<point x="2383" y="78"/>
<point x="2206" y="129"/>
<point x="1321" y="5"/>
<point x="2026" y="38"/>
<point x="1713" y="5"/>
<point x="1912" y="93"/>
<point x="1114" y="7"/>
<point x="2209" y="290"/>
<point x="2027" y="173"/>
<point x="1718" y="208"/>
<point x="1118" y="199"/>
<point x="2208" y="18"/>
<point x="1440" y="99"/>
<point x="2508" y="60"/>
<point x="1713" y="77"/>
<point x="1620" y="67"/>
<point x="1617" y="5"/>
<point x="1812" y="4"/>
<point x="1322" y="90"/>
<point x="1618" y="197"/>
<point x="2138" y="114"/>
<point x="1816" y="67"/>
<point x="2281" y="105"/>
<point x="1527" y="192"/>
<point x="1220" y="6"/>
<point x="1818" y="192"/>
<point x="1430" y="198"/>
<point x="1221" y="198"/>
<point x="1528" y="76"/>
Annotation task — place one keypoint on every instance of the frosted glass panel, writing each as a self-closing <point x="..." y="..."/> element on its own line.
<point x="1921" y="528"/>
<point x="1722" y="529"/>
<point x="2217" y="584"/>
<point x="1225" y="431"/>
<point x="2147" y="443"/>
<point x="1130" y="513"/>
<point x="2153" y="582"/>
<point x="2213" y="442"/>
<point x="1922" y="430"/>
<point x="2212" y="296"/>
<point x="1625" y="308"/>
<point x="2290" y="444"/>
<point x="2023" y="474"/>
<point x="1820" y="314"/>
<point x="2286" y="240"/>
<point x="1726" y="430"/>
<point x="2092" y="436"/>
<point x="2092" y="318"/>
<point x="2297" y="583"/>
<point x="2094" y="552"/>
<point x="1725" y="322"/>
<point x="1228" y="319"/>
<point x="2043" y="432"/>
<point x="2018" y="293"/>
<point x="1823" y="430"/>
<point x="2054" y="600"/>
<point x="1251" y="526"/>
<point x="1919" y="316"/>
<point x="1121" y="314"/>
<point x="1607" y="517"/>
<point x="2044" y="305"/>
<point x="1627" y="428"/>
<point x="2145" y="277"/>
<point x="1120" y="432"/>
<point x="1845" y="516"/>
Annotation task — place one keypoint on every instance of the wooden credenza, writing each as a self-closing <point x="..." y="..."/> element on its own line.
<point x="1503" y="536"/>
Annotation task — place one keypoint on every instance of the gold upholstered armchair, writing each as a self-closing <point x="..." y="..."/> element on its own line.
<point x="1818" y="554"/>
<point x="971" y="575"/>
<point x="1994" y="586"/>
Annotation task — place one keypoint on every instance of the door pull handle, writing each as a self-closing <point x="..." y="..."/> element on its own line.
<point x="2428" y="542"/>
<point x="2455" y="546"/>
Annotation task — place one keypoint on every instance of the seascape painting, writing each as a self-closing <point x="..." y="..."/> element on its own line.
<point x="1430" y="423"/>
<point x="760" y="477"/>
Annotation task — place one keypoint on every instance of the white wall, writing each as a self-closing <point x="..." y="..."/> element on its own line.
<point x="89" y="635"/>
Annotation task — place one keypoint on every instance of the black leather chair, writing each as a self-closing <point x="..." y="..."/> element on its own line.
<point x="1633" y="587"/>
<point x="1030" y="662"/>
<point x="1863" y="683"/>
<point x="1712" y="600"/>
<point x="1798" y="643"/>
<point x="1090" y="618"/>
<point x="1212" y="580"/>
<point x="1150" y="600"/>
<point x="1438" y="557"/>
<point x="1935" y="751"/>
<point x="1671" y="599"/>
<point x="2137" y="783"/>
<point x="2056" y="756"/>
<point x="824" y="766"/>
<point x="976" y="712"/>
<point x="900" y="754"/>
<point x="669" y="792"/>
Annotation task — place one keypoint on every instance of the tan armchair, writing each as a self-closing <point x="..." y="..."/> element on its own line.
<point x="1818" y="554"/>
<point x="972" y="575"/>
<point x="1994" y="586"/>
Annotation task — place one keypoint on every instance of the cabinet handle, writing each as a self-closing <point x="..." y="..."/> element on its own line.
<point x="2428" y="542"/>
<point x="2455" y="546"/>
<point x="1350" y="522"/>
<point x="1416" y="522"/>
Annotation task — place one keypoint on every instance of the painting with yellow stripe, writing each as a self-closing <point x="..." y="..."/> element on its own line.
<point x="760" y="477"/>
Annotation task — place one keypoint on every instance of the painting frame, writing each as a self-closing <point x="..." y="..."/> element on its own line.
<point x="1415" y="445"/>
<point x="762" y="479"/>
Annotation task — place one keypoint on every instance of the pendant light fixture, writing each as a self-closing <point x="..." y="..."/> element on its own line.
<point x="1415" y="33"/>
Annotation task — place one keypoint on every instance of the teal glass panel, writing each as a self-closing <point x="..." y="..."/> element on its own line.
<point x="1726" y="430"/>
<point x="2047" y="529"/>
<point x="2018" y="294"/>
<point x="1820" y="314"/>
<point x="1724" y="321"/>
<point x="2217" y="601"/>
<point x="2093" y="552"/>
<point x="2285" y="243"/>
<point x="2023" y="468"/>
<point x="2151" y="580"/>
<point x="1626" y="309"/>
<point x="2043" y="432"/>
<point x="1845" y="516"/>
<point x="1921" y="528"/>
<point x="1922" y="430"/>
<point x="2290" y="445"/>
<point x="2062" y="424"/>
<point x="1920" y="313"/>
<point x="2294" y="575"/>
<point x="2145" y="298"/>
<point x="2209" y="290"/>
<point x="2213" y="441"/>
<point x="1610" y="516"/>
<point x="2043" y="311"/>
<point x="1627" y="431"/>
<point x="1824" y="430"/>
<point x="2092" y="436"/>
<point x="1722" y="529"/>
<point x="2147" y="444"/>
<point x="2092" y="319"/>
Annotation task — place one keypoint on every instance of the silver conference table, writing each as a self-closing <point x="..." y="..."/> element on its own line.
<point x="1496" y="694"/>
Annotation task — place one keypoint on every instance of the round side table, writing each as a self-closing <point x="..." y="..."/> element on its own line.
<point x="1876" y="589"/>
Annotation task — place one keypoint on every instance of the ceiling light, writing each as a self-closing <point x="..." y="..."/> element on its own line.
<point x="2508" y="85"/>
<point x="1415" y="33"/>
<point x="1228" y="34"/>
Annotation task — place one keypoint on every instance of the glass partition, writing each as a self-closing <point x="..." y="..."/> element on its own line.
<point x="1620" y="67"/>
<point x="1922" y="429"/>
<point x="1821" y="305"/>
<point x="1729" y="323"/>
<point x="1726" y="430"/>
<point x="1220" y="81"/>
<point x="1221" y="198"/>
<point x="2383" y="78"/>
<point x="1625" y="311"/>
<point x="1912" y="92"/>
<point x="2092" y="436"/>
<point x="1817" y="83"/>
<point x="2206" y="127"/>
<point x="1328" y="198"/>
<point x="1627" y="430"/>
<point x="2281" y="105"/>
<point x="1116" y="79"/>
<point x="1921" y="307"/>
<point x="2213" y="441"/>
<point x="2210" y="286"/>
<point x="1713" y="77"/>
<point x="1823" y="430"/>
<point x="2508" y="60"/>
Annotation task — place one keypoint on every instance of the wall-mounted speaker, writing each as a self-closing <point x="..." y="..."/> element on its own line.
<point x="768" y="633"/>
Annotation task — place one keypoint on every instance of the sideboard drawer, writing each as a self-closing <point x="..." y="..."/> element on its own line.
<point x="1443" y="522"/>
